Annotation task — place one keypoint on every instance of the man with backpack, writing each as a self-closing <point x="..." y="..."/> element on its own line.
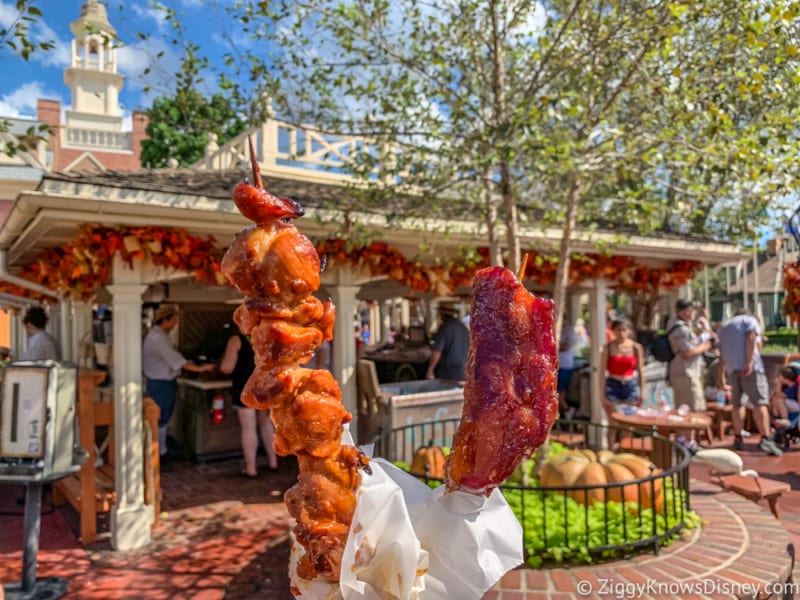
<point x="686" y="366"/>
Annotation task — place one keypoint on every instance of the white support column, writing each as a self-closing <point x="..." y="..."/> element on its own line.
<point x="82" y="332"/>
<point x="431" y="320"/>
<point x="745" y="291"/>
<point x="386" y="319"/>
<point x="344" y="347"/>
<point x="597" y="316"/>
<point x="17" y="332"/>
<point x="65" y="336"/>
<point x="387" y="306"/>
<point x="343" y="284"/>
<point x="758" y="313"/>
<point x="131" y="519"/>
<point x="374" y="322"/>
<point x="405" y="313"/>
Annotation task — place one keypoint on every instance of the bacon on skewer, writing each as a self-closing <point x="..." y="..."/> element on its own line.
<point x="510" y="398"/>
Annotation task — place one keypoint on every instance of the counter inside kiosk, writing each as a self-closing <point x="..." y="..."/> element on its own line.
<point x="37" y="445"/>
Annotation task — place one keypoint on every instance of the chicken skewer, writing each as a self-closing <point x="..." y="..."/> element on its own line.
<point x="278" y="268"/>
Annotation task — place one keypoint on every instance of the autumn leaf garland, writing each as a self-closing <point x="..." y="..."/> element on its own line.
<point x="79" y="268"/>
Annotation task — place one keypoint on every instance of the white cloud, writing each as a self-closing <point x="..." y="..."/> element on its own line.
<point x="39" y="32"/>
<point x="8" y="14"/>
<point x="152" y="53"/>
<point x="134" y="60"/>
<point x="147" y="13"/>
<point x="59" y="56"/>
<point x="21" y="102"/>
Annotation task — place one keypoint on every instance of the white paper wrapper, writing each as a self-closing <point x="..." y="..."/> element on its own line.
<point x="467" y="542"/>
<point x="410" y="542"/>
<point x="383" y="557"/>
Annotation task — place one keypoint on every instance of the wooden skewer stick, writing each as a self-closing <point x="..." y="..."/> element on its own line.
<point x="254" y="163"/>
<point x="523" y="266"/>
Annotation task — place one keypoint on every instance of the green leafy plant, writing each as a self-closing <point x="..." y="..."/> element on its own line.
<point x="559" y="530"/>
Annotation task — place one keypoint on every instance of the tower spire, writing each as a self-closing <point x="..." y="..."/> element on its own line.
<point x="92" y="75"/>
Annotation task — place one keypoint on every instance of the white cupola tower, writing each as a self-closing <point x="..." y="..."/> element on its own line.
<point x="92" y="76"/>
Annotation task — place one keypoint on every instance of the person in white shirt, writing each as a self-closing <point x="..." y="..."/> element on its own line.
<point x="41" y="345"/>
<point x="161" y="365"/>
<point x="566" y="366"/>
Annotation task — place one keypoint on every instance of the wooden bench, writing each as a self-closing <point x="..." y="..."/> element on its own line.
<point x="755" y="489"/>
<point x="92" y="489"/>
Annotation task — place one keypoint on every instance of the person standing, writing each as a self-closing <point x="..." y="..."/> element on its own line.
<point x="623" y="360"/>
<point x="449" y="357"/>
<point x="161" y="365"/>
<point x="566" y="367"/>
<point x="686" y="367"/>
<point x="41" y="345"/>
<point x="742" y="367"/>
<point x="239" y="362"/>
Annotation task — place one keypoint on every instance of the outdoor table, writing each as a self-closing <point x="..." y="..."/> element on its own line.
<point x="668" y="425"/>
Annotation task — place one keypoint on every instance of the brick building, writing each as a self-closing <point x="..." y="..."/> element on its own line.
<point x="92" y="136"/>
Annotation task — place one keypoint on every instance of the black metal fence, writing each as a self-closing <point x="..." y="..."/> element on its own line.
<point x="581" y="523"/>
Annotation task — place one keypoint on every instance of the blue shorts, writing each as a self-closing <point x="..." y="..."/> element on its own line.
<point x="622" y="391"/>
<point x="564" y="378"/>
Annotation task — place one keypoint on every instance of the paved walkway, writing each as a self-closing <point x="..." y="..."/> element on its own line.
<point x="740" y="543"/>
<point x="224" y="536"/>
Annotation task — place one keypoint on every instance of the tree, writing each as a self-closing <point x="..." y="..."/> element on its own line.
<point x="179" y="127"/>
<point x="497" y="111"/>
<point x="17" y="38"/>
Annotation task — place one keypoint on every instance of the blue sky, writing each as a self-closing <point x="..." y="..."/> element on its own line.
<point x="42" y="76"/>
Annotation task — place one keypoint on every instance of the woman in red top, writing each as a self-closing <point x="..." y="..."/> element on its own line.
<point x="624" y="362"/>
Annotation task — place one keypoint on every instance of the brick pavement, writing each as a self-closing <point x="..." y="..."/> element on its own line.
<point x="740" y="543"/>
<point x="224" y="536"/>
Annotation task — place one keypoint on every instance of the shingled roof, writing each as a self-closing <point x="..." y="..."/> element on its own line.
<point x="211" y="184"/>
<point x="219" y="184"/>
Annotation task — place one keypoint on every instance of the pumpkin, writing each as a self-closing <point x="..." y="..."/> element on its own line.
<point x="429" y="461"/>
<point x="578" y="468"/>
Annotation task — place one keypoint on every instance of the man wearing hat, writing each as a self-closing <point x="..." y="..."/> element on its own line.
<point x="450" y="347"/>
<point x="161" y="365"/>
<point x="686" y="367"/>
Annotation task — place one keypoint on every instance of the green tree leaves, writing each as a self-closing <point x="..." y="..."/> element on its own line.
<point x="179" y="127"/>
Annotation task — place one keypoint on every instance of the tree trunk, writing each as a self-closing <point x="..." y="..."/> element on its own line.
<point x="490" y="215"/>
<point x="564" y="258"/>
<point x="510" y="216"/>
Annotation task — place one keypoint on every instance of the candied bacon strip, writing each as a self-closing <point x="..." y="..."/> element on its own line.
<point x="510" y="398"/>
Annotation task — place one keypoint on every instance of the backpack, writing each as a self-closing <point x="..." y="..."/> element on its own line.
<point x="660" y="347"/>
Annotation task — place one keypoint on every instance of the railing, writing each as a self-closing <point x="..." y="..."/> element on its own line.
<point x="97" y="138"/>
<point x="284" y="148"/>
<point x="587" y="522"/>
